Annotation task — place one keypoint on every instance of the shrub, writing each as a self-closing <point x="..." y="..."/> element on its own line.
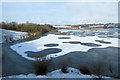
<point x="30" y="36"/>
<point x="64" y="63"/>
<point x="28" y="27"/>
<point x="41" y="67"/>
<point x="98" y="67"/>
<point x="64" y="70"/>
<point x="62" y="33"/>
<point x="38" y="33"/>
<point x="54" y="31"/>
<point x="33" y="30"/>
<point x="84" y="70"/>
<point x="11" y="38"/>
<point x="110" y="67"/>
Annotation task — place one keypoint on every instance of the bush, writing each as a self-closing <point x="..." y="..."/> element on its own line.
<point x="35" y="34"/>
<point x="30" y="27"/>
<point x="30" y="36"/>
<point x="64" y="64"/>
<point x="84" y="70"/>
<point x="41" y="67"/>
<point x="33" y="30"/>
<point x="98" y="67"/>
<point x="54" y="31"/>
<point x="64" y="70"/>
<point x="110" y="67"/>
<point x="63" y="33"/>
<point x="11" y="38"/>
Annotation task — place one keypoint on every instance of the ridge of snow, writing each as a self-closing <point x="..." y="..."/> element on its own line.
<point x="72" y="73"/>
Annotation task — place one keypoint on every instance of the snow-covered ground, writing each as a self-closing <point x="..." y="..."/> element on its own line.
<point x="62" y="26"/>
<point x="72" y="73"/>
<point x="14" y="35"/>
<point x="38" y="44"/>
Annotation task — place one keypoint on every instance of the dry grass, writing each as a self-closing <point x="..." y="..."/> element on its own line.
<point x="41" y="67"/>
<point x="62" y="33"/>
<point x="64" y="64"/>
<point x="84" y="70"/>
<point x="98" y="67"/>
<point x="54" y="31"/>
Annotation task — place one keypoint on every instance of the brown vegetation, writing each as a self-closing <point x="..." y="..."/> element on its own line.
<point x="64" y="64"/>
<point x="84" y="70"/>
<point x="41" y="67"/>
<point x="62" y="33"/>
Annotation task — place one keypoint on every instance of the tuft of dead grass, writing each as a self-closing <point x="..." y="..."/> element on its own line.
<point x="64" y="64"/>
<point x="41" y="67"/>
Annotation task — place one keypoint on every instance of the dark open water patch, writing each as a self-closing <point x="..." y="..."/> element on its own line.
<point x="90" y="34"/>
<point x="90" y="44"/>
<point x="102" y="33"/>
<point x="43" y="52"/>
<point x="65" y="42"/>
<point x="86" y="44"/>
<point x="103" y="41"/>
<point x="112" y="36"/>
<point x="102" y="36"/>
<point x="75" y="42"/>
<point x="118" y="36"/>
<point x="19" y="46"/>
<point x="82" y="36"/>
<point x="64" y="38"/>
<point x="51" y="45"/>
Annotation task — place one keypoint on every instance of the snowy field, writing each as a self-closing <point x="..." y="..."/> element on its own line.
<point x="7" y="35"/>
<point x="67" y="43"/>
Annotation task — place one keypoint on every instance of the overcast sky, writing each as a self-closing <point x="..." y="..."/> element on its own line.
<point x="62" y="13"/>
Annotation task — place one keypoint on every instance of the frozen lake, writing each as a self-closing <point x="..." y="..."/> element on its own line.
<point x="81" y="46"/>
<point x="75" y="40"/>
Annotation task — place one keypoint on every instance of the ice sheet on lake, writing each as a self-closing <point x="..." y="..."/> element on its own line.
<point x="38" y="44"/>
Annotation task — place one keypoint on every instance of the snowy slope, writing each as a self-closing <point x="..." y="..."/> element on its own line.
<point x="14" y="35"/>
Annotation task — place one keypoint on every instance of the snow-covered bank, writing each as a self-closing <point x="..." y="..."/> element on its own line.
<point x="8" y="35"/>
<point x="72" y="73"/>
<point x="38" y="44"/>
